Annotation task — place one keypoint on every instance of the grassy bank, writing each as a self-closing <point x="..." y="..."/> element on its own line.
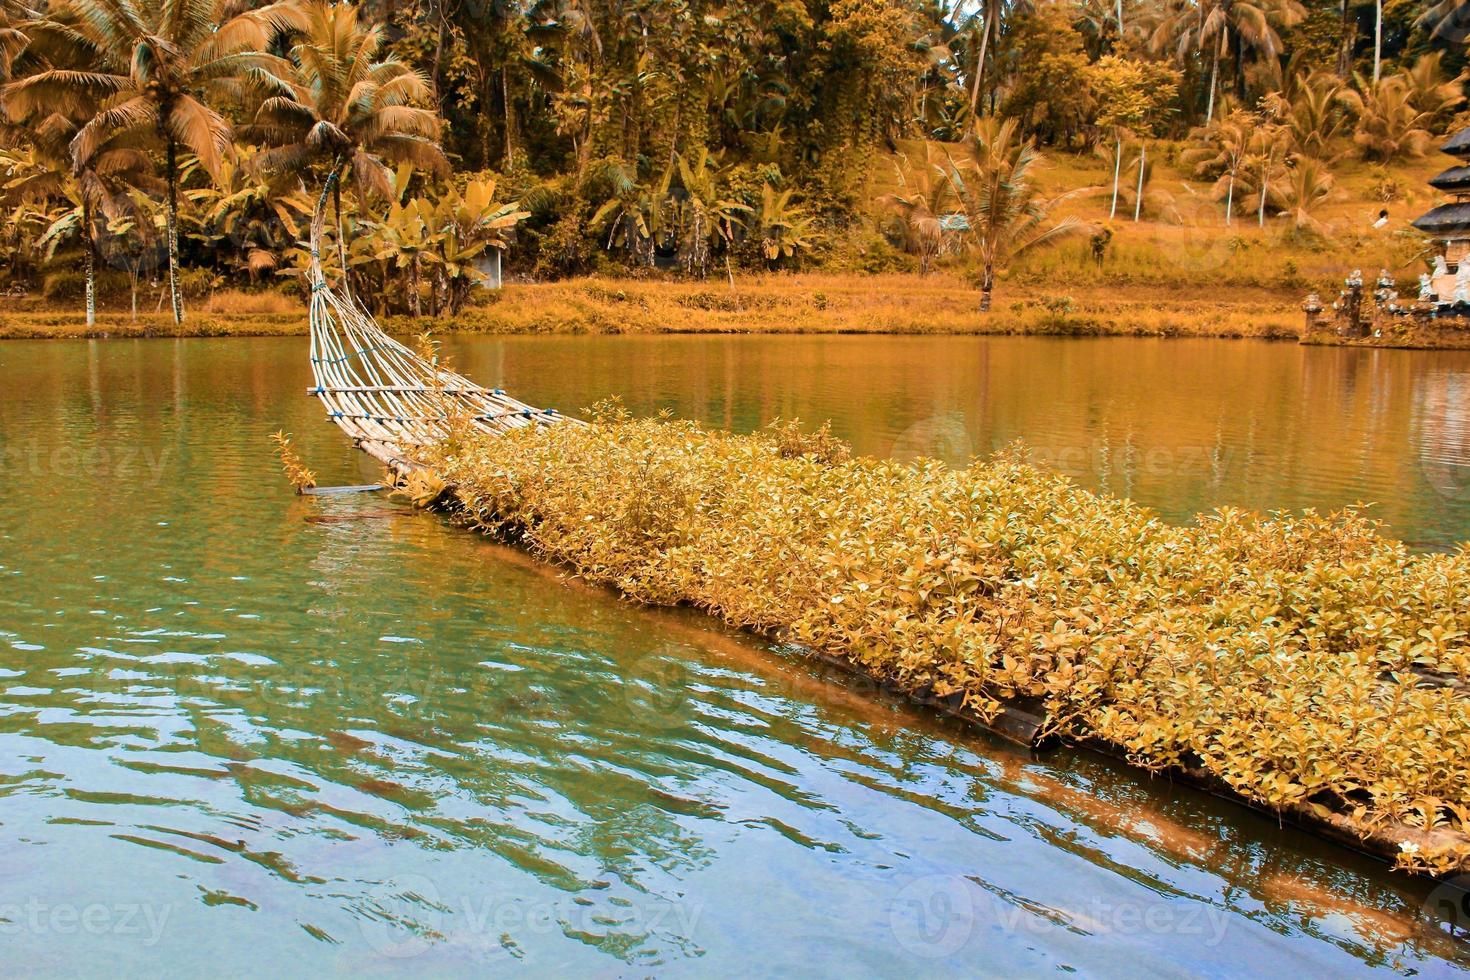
<point x="1308" y="664"/>
<point x="226" y="313"/>
<point x="1178" y="271"/>
<point x="62" y="326"/>
<point x="903" y="304"/>
<point x="816" y="303"/>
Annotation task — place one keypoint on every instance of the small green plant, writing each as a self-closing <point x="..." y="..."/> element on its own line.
<point x="296" y="472"/>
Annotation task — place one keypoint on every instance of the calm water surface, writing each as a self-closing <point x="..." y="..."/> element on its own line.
<point x="244" y="732"/>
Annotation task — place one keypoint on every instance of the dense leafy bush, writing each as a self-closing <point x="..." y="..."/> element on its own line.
<point x="1308" y="662"/>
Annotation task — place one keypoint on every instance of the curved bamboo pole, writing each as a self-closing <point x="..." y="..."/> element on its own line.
<point x="389" y="400"/>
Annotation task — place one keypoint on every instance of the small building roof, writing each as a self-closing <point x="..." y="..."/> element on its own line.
<point x="1458" y="144"/>
<point x="1447" y="220"/>
<point x="1455" y="180"/>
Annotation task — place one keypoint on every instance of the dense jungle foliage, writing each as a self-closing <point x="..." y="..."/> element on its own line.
<point x="190" y="137"/>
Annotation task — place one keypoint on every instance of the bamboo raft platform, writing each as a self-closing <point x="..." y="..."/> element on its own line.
<point x="387" y="399"/>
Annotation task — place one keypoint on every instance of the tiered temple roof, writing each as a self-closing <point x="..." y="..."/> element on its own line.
<point x="1451" y="221"/>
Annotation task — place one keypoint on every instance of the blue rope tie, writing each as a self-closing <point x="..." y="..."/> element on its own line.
<point x="339" y="360"/>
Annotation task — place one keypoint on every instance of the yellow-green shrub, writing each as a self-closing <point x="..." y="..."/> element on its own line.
<point x="1288" y="656"/>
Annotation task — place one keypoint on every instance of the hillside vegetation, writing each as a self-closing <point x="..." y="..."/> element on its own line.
<point x="156" y="154"/>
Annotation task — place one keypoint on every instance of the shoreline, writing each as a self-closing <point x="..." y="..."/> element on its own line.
<point x="817" y="304"/>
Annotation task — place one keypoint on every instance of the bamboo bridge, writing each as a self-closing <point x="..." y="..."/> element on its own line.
<point x="388" y="399"/>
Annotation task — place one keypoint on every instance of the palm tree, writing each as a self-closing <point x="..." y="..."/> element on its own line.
<point x="1005" y="211"/>
<point x="151" y="66"/>
<point x="1316" y="115"/>
<point x="1308" y="182"/>
<point x="1443" y="20"/>
<point x="1226" y="142"/>
<point x="1430" y="91"/>
<point x="1211" y="28"/>
<point x="922" y="199"/>
<point x="12" y="38"/>
<point x="342" y="104"/>
<point x="96" y="184"/>
<point x="1390" y="125"/>
<point x="983" y="28"/>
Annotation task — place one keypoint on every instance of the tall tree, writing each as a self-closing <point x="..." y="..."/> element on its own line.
<point x="91" y="187"/>
<point x="338" y="103"/>
<point x="1212" y="29"/>
<point x="1006" y="214"/>
<point x="152" y="66"/>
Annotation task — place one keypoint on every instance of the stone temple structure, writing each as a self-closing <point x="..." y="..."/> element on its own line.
<point x="1449" y="282"/>
<point x="1437" y="312"/>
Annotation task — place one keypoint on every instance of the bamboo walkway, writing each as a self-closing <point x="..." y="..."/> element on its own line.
<point x="388" y="399"/>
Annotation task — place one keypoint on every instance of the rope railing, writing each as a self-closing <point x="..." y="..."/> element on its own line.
<point x="390" y="401"/>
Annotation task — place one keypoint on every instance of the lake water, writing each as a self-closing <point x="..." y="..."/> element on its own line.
<point x="246" y="732"/>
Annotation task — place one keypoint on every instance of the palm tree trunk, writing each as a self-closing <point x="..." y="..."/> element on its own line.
<point x="1214" y="76"/>
<point x="1230" y="199"/>
<point x="1120" y="23"/>
<point x="90" y="258"/>
<point x="1237" y="54"/>
<point x="1345" y="44"/>
<point x="1265" y="181"/>
<point x="1377" y="40"/>
<point x="988" y="14"/>
<point x="413" y="285"/>
<point x="1117" y="173"/>
<point x="509" y="120"/>
<point x="176" y="298"/>
<point x="1138" y="203"/>
<point x="987" y="283"/>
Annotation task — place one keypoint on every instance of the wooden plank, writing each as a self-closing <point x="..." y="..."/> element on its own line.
<point x="333" y="491"/>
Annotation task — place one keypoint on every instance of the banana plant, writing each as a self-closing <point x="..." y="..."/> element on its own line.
<point x="784" y="228"/>
<point x="74" y="222"/>
<point x="404" y="239"/>
<point x="138" y="237"/>
<point x="629" y="214"/>
<point x="258" y="218"/>
<point x="701" y="218"/>
<point x="469" y="222"/>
